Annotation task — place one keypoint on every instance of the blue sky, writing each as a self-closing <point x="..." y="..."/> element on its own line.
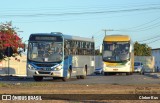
<point x="138" y="18"/>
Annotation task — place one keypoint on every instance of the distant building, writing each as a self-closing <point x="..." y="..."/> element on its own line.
<point x="156" y="54"/>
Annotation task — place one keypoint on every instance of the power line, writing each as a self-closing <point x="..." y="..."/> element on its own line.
<point x="156" y="38"/>
<point x="153" y="41"/>
<point x="81" y="8"/>
<point x="80" y="13"/>
<point x="31" y="21"/>
<point x="144" y="23"/>
<point x="149" y="27"/>
<point x="142" y="28"/>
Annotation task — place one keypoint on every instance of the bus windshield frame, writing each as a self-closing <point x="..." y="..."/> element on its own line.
<point x="116" y="51"/>
<point x="40" y="49"/>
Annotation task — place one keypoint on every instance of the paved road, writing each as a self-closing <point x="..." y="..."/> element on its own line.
<point x="119" y="79"/>
<point x="96" y="79"/>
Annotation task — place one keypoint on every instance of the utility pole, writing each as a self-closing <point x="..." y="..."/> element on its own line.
<point x="105" y="31"/>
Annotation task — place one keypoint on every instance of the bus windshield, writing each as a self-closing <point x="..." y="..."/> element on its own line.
<point x="116" y="51"/>
<point x="45" y="51"/>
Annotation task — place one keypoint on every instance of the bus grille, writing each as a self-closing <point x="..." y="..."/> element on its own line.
<point x="44" y="65"/>
<point x="40" y="72"/>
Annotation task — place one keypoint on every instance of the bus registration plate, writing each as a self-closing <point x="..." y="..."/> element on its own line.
<point x="115" y="69"/>
<point x="48" y="69"/>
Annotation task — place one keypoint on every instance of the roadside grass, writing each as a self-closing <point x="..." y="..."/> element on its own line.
<point x="23" y="85"/>
<point x="4" y="85"/>
<point x="36" y="84"/>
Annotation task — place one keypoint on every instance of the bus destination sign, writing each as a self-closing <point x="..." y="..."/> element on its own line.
<point x="45" y="38"/>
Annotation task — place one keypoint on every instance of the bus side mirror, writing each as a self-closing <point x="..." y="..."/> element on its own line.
<point x="24" y="49"/>
<point x="100" y="48"/>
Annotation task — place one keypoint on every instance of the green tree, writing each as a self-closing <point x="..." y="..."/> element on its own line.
<point x="141" y="49"/>
<point x="9" y="38"/>
<point x="97" y="52"/>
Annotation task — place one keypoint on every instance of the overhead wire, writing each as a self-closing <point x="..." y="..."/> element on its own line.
<point x="143" y="27"/>
<point x="153" y="41"/>
<point x="79" y="8"/>
<point x="80" y="13"/>
<point x="144" y="23"/>
<point x="91" y="18"/>
<point x="151" y="38"/>
<point x="69" y="19"/>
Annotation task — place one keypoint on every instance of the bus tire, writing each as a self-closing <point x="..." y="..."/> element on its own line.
<point x="128" y="73"/>
<point x="85" y="74"/>
<point x="68" y="76"/>
<point x="37" y="78"/>
<point x="86" y="69"/>
<point x="82" y="77"/>
<point x="131" y="73"/>
<point x="105" y="73"/>
<point x="78" y="77"/>
<point x="55" y="78"/>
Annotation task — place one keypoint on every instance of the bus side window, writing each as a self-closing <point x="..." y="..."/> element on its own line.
<point x="65" y="53"/>
<point x="35" y="52"/>
<point x="66" y="49"/>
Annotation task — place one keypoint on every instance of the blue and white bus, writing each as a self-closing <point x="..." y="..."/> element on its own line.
<point x="59" y="56"/>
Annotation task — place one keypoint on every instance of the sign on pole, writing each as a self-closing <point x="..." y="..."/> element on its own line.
<point x="9" y="51"/>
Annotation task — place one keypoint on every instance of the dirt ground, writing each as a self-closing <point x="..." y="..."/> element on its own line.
<point x="44" y="88"/>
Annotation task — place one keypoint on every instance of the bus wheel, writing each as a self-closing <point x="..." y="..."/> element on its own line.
<point x="83" y="76"/>
<point x="68" y="76"/>
<point x="55" y="78"/>
<point x="105" y="73"/>
<point x="128" y="73"/>
<point x="131" y="73"/>
<point x="37" y="78"/>
<point x="78" y="77"/>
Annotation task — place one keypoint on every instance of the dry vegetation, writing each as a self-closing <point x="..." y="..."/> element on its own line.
<point x="44" y="88"/>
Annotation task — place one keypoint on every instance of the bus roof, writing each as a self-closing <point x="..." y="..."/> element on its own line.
<point x="116" y="38"/>
<point x="52" y="33"/>
<point x="69" y="37"/>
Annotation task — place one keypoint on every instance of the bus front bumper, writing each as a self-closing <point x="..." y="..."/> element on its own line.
<point x="46" y="73"/>
<point x="116" y="69"/>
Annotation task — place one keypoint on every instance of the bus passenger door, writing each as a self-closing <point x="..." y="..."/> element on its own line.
<point x="66" y="65"/>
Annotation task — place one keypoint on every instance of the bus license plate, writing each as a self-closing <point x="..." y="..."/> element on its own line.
<point x="48" y="69"/>
<point x="115" y="69"/>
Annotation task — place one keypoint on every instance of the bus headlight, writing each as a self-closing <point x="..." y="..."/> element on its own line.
<point x="104" y="66"/>
<point x="31" y="67"/>
<point x="59" y="67"/>
<point x="128" y="63"/>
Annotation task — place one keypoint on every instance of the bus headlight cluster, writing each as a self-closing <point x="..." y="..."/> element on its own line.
<point x="104" y="66"/>
<point x="128" y="63"/>
<point x="31" y="67"/>
<point x="59" y="67"/>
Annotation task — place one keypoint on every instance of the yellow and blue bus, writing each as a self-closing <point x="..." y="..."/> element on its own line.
<point x="117" y="54"/>
<point x="59" y="56"/>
